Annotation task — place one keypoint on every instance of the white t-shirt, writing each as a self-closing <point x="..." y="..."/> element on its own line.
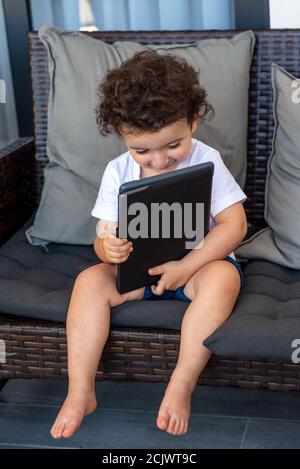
<point x="225" y="190"/>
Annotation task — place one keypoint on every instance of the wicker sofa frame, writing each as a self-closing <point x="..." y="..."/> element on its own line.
<point x="37" y="349"/>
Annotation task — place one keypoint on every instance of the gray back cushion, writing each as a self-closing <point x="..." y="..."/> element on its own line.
<point x="77" y="152"/>
<point x="280" y="242"/>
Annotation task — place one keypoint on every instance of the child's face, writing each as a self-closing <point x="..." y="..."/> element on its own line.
<point x="161" y="151"/>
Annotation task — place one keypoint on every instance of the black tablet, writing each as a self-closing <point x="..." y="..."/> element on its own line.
<point x="165" y="216"/>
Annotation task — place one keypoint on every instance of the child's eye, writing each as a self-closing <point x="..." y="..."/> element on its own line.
<point x="171" y="147"/>
<point x="174" y="146"/>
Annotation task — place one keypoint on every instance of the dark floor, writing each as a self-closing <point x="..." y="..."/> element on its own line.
<point x="126" y="413"/>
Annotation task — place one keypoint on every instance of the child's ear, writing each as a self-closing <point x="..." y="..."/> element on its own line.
<point x="195" y="122"/>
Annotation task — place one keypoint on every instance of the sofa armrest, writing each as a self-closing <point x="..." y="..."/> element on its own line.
<point x="17" y="186"/>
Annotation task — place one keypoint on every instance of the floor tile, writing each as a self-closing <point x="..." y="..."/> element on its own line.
<point x="29" y="426"/>
<point x="272" y="434"/>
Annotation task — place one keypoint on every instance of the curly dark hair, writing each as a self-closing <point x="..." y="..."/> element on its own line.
<point x="148" y="92"/>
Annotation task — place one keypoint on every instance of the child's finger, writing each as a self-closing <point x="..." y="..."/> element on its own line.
<point x="120" y="249"/>
<point x="117" y="241"/>
<point x="119" y="259"/>
<point x="119" y="254"/>
<point x="159" y="288"/>
<point x="156" y="290"/>
<point x="119" y="246"/>
<point x="155" y="270"/>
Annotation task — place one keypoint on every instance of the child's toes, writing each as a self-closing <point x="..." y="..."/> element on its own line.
<point x="172" y="424"/>
<point x="58" y="430"/>
<point x="69" y="430"/>
<point x="178" y="427"/>
<point x="183" y="427"/>
<point x="53" y="431"/>
<point x="162" y="421"/>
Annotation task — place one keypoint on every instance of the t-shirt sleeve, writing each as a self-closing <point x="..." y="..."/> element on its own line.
<point x="106" y="206"/>
<point x="225" y="190"/>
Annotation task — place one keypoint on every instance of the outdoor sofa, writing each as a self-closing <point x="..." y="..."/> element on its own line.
<point x="36" y="346"/>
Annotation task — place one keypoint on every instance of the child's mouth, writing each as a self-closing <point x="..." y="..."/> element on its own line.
<point x="168" y="166"/>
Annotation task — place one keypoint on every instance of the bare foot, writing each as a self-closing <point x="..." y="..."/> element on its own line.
<point x="174" y="411"/>
<point x="78" y="403"/>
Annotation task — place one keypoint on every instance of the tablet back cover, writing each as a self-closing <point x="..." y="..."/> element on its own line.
<point x="147" y="218"/>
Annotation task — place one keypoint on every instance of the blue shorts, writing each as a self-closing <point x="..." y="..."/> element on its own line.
<point x="178" y="294"/>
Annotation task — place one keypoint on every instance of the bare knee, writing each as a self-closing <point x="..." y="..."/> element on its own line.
<point x="96" y="275"/>
<point x="220" y="276"/>
<point x="102" y="278"/>
<point x="99" y="280"/>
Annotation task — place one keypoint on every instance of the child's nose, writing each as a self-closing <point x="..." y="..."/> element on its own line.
<point x="159" y="163"/>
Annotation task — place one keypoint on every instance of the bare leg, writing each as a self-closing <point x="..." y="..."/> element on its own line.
<point x="214" y="290"/>
<point x="88" y="321"/>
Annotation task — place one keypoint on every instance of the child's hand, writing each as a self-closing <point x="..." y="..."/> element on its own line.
<point x="172" y="277"/>
<point x="116" y="250"/>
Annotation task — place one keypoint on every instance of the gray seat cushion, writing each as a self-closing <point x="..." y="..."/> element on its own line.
<point x="266" y="317"/>
<point x="37" y="284"/>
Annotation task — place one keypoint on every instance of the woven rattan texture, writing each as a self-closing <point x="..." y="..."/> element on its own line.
<point x="38" y="349"/>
